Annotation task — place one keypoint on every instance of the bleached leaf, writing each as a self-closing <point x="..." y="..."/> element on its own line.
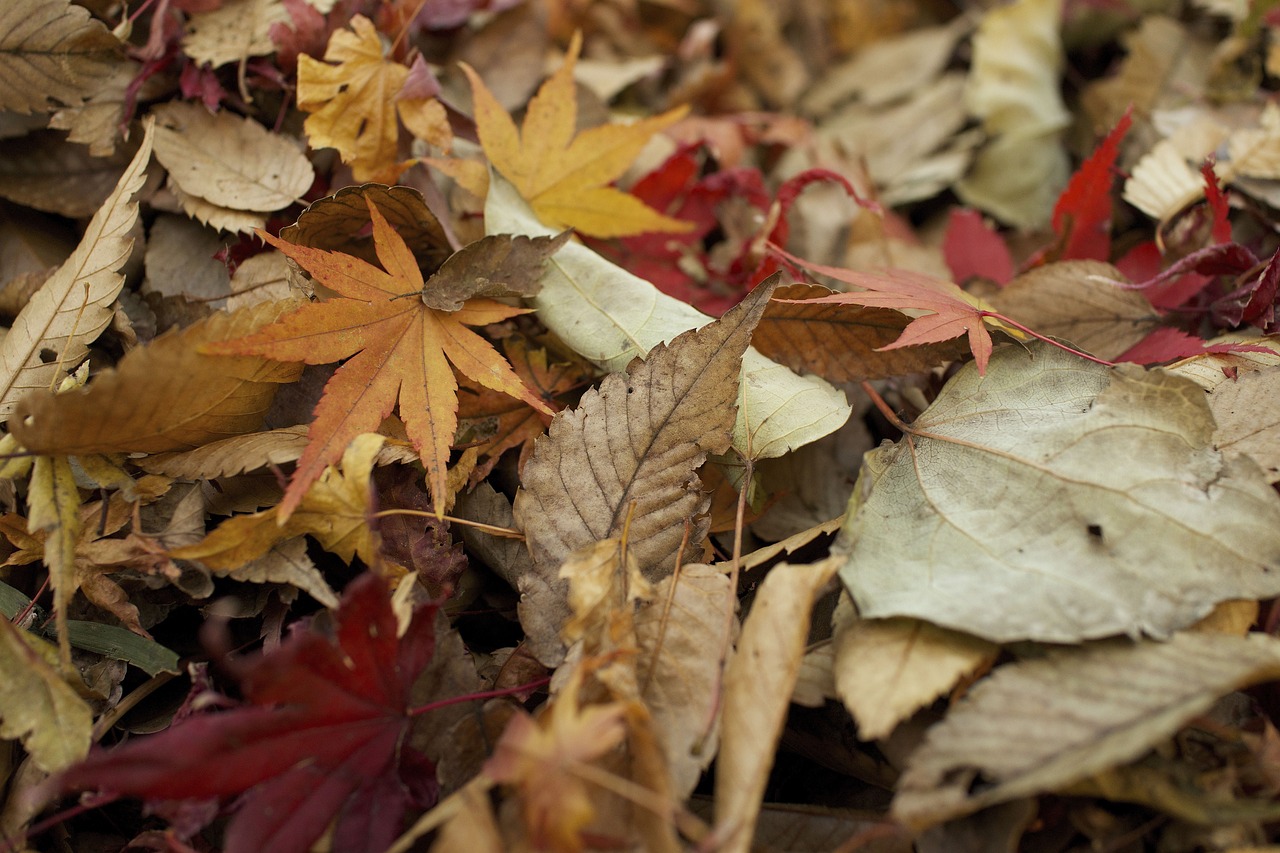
<point x="887" y="669"/>
<point x="757" y="689"/>
<point x="1089" y="495"/>
<point x="229" y="161"/>
<point x="626" y="459"/>
<point x="1247" y="412"/>
<point x="52" y="52"/>
<point x="610" y="316"/>
<point x="1161" y="184"/>
<point x="677" y="632"/>
<point x="36" y="705"/>
<point x="52" y="333"/>
<point x="1040" y="725"/>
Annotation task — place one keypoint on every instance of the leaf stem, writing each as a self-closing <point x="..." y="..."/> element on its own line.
<point x="1026" y="331"/>
<point x="890" y="415"/>
<point x="472" y="697"/>
<point x="493" y="529"/>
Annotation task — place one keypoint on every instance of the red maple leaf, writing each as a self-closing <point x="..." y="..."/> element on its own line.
<point x="1082" y="215"/>
<point x="322" y="736"/>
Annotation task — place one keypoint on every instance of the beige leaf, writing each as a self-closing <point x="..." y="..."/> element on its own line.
<point x="234" y="31"/>
<point x="888" y="669"/>
<point x="262" y="278"/>
<point x="99" y="122"/>
<point x="1089" y="495"/>
<point x="1075" y="301"/>
<point x="181" y="260"/>
<point x="678" y="632"/>
<point x="229" y="161"/>
<point x="757" y="689"/>
<point x="286" y="563"/>
<point x="216" y="216"/>
<point x="1161" y="184"/>
<point x="1017" y="177"/>
<point x="1157" y="47"/>
<point x="52" y="51"/>
<point x="36" y="705"/>
<point x="627" y="457"/>
<point x="1040" y="725"/>
<point x="1255" y="152"/>
<point x="162" y="397"/>
<point x="1247" y="410"/>
<point x="610" y="316"/>
<point x="52" y="333"/>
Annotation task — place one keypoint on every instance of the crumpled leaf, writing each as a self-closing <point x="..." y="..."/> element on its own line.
<point x="1040" y="725"/>
<point x="321" y="736"/>
<point x="162" y="397"/>
<point x="52" y="333"/>
<point x="36" y="705"/>
<point x="561" y="175"/>
<point x="757" y="690"/>
<point x="52" y="52"/>
<point x="610" y="316"/>
<point x="1090" y="496"/>
<point x="229" y="161"/>
<point x="626" y="459"/>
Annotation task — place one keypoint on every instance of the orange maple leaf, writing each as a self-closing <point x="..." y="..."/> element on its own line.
<point x="563" y="177"/>
<point x="952" y="311"/>
<point x="402" y="348"/>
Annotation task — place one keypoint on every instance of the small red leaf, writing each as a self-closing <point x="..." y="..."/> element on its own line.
<point x="973" y="249"/>
<point x="1082" y="216"/>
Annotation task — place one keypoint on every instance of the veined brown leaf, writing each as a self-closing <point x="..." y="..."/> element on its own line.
<point x="52" y="51"/>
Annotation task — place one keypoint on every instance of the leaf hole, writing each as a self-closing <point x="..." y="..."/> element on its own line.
<point x="47" y="356"/>
<point x="1094" y="530"/>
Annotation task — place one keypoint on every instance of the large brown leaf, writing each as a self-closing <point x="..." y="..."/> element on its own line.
<point x="52" y="52"/>
<point x="630" y="452"/>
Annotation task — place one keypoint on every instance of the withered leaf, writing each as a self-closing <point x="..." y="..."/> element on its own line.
<point x="628" y="455"/>
<point x="52" y="52"/>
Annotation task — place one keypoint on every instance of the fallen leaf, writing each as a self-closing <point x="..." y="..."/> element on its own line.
<point x="321" y="736"/>
<point x="229" y="161"/>
<point x="1040" y="725"/>
<point x="402" y="350"/>
<point x="887" y="669"/>
<point x="233" y="32"/>
<point x="561" y="175"/>
<point x="840" y="341"/>
<point x="161" y="397"/>
<point x="658" y="422"/>
<point x="610" y="316"/>
<point x="1113" y="512"/>
<point x="974" y="249"/>
<point x="52" y="333"/>
<point x="52" y="52"/>
<point x="1247" y="412"/>
<point x="758" y="683"/>
<point x="36" y="705"/>
<point x="45" y="171"/>
<point x="1082" y="214"/>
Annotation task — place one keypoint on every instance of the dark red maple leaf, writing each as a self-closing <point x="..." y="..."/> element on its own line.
<point x="322" y="737"/>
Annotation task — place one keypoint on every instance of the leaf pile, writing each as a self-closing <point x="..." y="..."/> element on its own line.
<point x="639" y="426"/>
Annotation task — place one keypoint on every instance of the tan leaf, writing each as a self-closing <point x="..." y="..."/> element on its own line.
<point x="162" y="397"/>
<point x="1040" y="725"/>
<point x="214" y="215"/>
<point x="1247" y="410"/>
<point x="52" y="333"/>
<point x="678" y="633"/>
<point x="1156" y="47"/>
<point x="1090" y="495"/>
<point x="52" y="52"/>
<point x="1161" y="184"/>
<point x="841" y="342"/>
<point x="44" y="171"/>
<point x="627" y="456"/>
<point x="233" y="32"/>
<point x="758" y="683"/>
<point x="263" y="278"/>
<point x="1075" y="301"/>
<point x="888" y="669"/>
<point x="55" y="511"/>
<point x="36" y="705"/>
<point x="99" y="122"/>
<point x="181" y="260"/>
<point x="287" y="562"/>
<point x="229" y="161"/>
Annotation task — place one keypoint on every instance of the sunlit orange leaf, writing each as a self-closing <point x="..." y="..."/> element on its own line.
<point x="564" y="177"/>
<point x="398" y="346"/>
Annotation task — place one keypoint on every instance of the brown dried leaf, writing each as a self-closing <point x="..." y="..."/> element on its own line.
<point x="162" y="397"/>
<point x="51" y="51"/>
<point x="629" y="455"/>
<point x="45" y="171"/>
<point x="1040" y="725"/>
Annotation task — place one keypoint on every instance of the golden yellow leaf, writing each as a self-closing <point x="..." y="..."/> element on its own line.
<point x="563" y="177"/>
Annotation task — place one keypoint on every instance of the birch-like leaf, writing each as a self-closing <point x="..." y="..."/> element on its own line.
<point x="52" y="51"/>
<point x="37" y="705"/>
<point x="609" y="316"/>
<point x="626" y="460"/>
<point x="1089" y="498"/>
<point x="1040" y="725"/>
<point x="52" y="333"/>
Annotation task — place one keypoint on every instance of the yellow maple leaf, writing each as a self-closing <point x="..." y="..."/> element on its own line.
<point x="564" y="177"/>
<point x="353" y="103"/>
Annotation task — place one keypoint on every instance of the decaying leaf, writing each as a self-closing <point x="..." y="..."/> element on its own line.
<point x="609" y="316"/>
<point x="626" y="457"/>
<point x="36" y="705"/>
<point x="52" y="333"/>
<point x="1040" y="725"/>
<point x="1089" y="495"/>
<point x="52" y="52"/>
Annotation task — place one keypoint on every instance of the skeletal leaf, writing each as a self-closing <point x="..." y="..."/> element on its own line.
<point x="52" y="333"/>
<point x="1090" y="496"/>
<point x="1040" y="725"/>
